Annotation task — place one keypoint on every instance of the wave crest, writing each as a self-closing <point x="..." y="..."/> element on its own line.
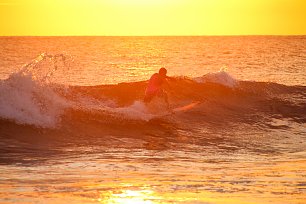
<point x="221" y="77"/>
<point x="27" y="98"/>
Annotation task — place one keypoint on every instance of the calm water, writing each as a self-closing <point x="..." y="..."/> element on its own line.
<point x="70" y="134"/>
<point x="100" y="60"/>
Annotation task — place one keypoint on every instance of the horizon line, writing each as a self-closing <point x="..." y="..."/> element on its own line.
<point x="234" y="35"/>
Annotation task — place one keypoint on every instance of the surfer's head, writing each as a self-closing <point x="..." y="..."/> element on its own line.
<point x="162" y="71"/>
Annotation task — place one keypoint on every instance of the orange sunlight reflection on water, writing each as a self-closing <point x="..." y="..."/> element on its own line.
<point x="140" y="196"/>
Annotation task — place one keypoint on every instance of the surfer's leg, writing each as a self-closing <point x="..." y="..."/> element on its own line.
<point x="164" y="95"/>
<point x="148" y="98"/>
<point x="166" y="100"/>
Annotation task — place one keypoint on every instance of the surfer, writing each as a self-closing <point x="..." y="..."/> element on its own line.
<point x="154" y="88"/>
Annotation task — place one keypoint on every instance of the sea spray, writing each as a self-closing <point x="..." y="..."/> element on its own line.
<point x="222" y="77"/>
<point x="29" y="97"/>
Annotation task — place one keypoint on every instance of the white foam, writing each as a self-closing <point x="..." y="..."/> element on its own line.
<point x="221" y="77"/>
<point x="137" y="110"/>
<point x="90" y="104"/>
<point x="27" y="100"/>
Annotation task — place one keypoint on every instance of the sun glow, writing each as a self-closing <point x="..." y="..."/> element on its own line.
<point x="129" y="197"/>
<point x="152" y="17"/>
<point x="145" y="2"/>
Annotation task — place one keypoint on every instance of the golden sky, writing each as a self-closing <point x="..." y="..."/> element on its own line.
<point x="152" y="17"/>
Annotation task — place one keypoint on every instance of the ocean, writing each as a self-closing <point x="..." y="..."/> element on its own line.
<point x="74" y="128"/>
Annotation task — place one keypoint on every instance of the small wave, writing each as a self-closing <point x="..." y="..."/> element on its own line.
<point x="221" y="77"/>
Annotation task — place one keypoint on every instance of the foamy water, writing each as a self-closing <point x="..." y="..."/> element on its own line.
<point x="70" y="134"/>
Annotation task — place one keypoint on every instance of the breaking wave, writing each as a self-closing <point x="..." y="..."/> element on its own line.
<point x="29" y="97"/>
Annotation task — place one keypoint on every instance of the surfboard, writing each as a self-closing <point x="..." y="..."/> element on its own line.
<point x="179" y="109"/>
<point x="186" y="107"/>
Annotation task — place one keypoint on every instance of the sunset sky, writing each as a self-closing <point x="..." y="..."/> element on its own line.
<point x="152" y="17"/>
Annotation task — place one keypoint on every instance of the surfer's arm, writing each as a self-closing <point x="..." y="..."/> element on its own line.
<point x="168" y="78"/>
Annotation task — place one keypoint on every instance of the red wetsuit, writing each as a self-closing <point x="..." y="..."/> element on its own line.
<point x="154" y="87"/>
